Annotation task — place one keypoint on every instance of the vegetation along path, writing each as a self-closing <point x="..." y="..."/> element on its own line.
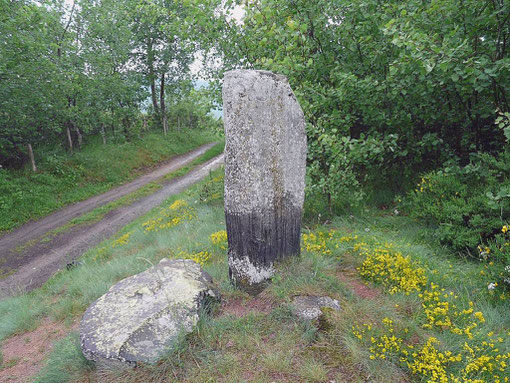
<point x="31" y="262"/>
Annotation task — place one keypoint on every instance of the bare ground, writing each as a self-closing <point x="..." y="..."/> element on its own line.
<point x="36" y="263"/>
<point x="25" y="354"/>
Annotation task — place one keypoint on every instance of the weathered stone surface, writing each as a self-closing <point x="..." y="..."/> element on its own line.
<point x="141" y="317"/>
<point x="265" y="164"/>
<point x="309" y="307"/>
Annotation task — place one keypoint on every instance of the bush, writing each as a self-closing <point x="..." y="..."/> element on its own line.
<point x="468" y="206"/>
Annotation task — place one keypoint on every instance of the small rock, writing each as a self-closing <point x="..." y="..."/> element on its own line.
<point x="140" y="318"/>
<point x="309" y="307"/>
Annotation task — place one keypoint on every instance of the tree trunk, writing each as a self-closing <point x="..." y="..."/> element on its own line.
<point x="153" y="94"/>
<point x="152" y="76"/>
<point x="69" y="139"/>
<point x="31" y="155"/>
<point x="103" y="134"/>
<point x="164" y="120"/>
<point x="80" y="137"/>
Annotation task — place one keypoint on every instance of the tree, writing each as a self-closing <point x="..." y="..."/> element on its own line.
<point x="431" y="73"/>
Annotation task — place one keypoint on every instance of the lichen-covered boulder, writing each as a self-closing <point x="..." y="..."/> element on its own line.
<point x="310" y="307"/>
<point x="141" y="317"/>
<point x="265" y="165"/>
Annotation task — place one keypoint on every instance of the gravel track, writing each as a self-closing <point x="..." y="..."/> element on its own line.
<point x="38" y="262"/>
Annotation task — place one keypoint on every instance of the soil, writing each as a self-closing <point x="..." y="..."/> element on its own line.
<point x="359" y="288"/>
<point x="24" y="355"/>
<point x="30" y="267"/>
<point x="242" y="306"/>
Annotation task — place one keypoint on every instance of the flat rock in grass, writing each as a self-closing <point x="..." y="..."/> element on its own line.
<point x="141" y="317"/>
<point x="309" y="307"/>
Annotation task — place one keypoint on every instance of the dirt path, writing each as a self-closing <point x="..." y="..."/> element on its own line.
<point x="35" y="264"/>
<point x="36" y="229"/>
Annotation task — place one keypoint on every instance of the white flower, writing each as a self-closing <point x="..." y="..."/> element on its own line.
<point x="367" y="229"/>
<point x="507" y="269"/>
<point x="396" y="212"/>
<point x="491" y="286"/>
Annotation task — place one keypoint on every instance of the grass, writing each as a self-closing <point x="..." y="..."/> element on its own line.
<point x="268" y="343"/>
<point x="64" y="179"/>
<point x="58" y="369"/>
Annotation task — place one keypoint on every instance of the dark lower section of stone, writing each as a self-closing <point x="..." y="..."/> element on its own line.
<point x="264" y="237"/>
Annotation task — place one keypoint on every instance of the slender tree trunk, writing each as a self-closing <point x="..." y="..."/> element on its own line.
<point x="152" y="76"/>
<point x="103" y="134"/>
<point x="31" y="155"/>
<point x="69" y="139"/>
<point x="80" y="137"/>
<point x="164" y="120"/>
<point x="153" y="94"/>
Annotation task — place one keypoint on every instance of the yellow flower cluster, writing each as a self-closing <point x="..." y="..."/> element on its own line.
<point x="173" y="215"/>
<point x="430" y="362"/>
<point x="424" y="185"/>
<point x="480" y="363"/>
<point x="321" y="242"/>
<point x="389" y="267"/>
<point x="504" y="229"/>
<point x="219" y="239"/>
<point x="442" y="313"/>
<point x="201" y="257"/>
<point x="122" y="240"/>
<point x="317" y="242"/>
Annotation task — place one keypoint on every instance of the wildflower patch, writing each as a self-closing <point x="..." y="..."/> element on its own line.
<point x="122" y="240"/>
<point x="478" y="361"/>
<point x="219" y="239"/>
<point x="173" y="215"/>
<point x="201" y="257"/>
<point x="322" y="242"/>
<point x="384" y="265"/>
<point x="442" y="312"/>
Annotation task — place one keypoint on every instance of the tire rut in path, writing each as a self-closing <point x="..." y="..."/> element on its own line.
<point x="44" y="259"/>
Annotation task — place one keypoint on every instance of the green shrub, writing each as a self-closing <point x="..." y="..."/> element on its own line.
<point x="468" y="206"/>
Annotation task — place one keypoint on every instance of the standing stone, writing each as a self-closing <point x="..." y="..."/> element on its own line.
<point x="265" y="165"/>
